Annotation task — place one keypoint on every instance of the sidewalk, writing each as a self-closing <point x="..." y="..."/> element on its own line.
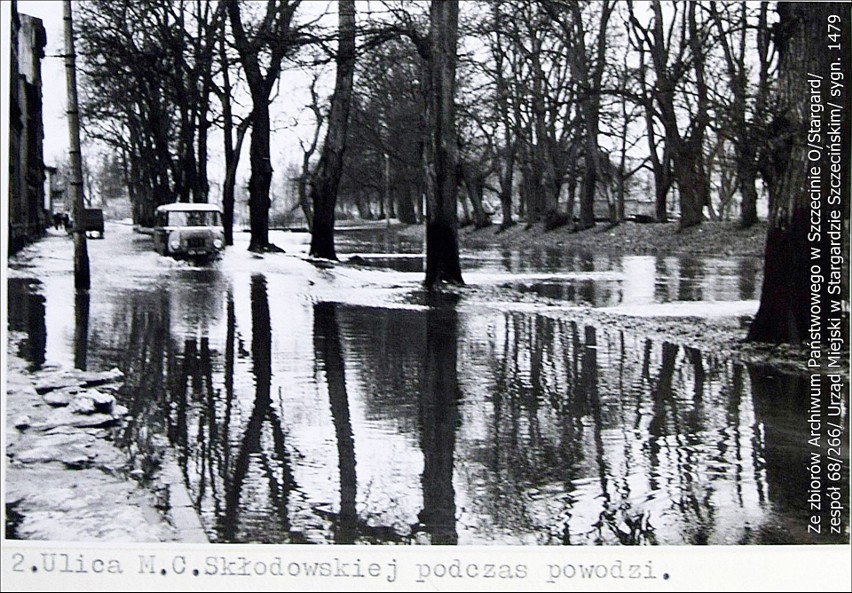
<point x="66" y="481"/>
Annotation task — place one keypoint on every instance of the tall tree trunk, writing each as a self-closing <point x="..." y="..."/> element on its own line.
<point x="509" y="144"/>
<point x="327" y="178"/>
<point x="442" y="247"/>
<point x="274" y="34"/>
<point x="405" y="210"/>
<point x="304" y="198"/>
<point x="692" y="182"/>
<point x="662" y="185"/>
<point x="747" y="180"/>
<point x="590" y="181"/>
<point x="474" y="182"/>
<point x="694" y="175"/>
<point x="590" y="85"/>
<point x="386" y="199"/>
<point x="232" y="149"/>
<point x="660" y="164"/>
<point x="547" y="185"/>
<point x="204" y="48"/>
<point x="202" y="184"/>
<point x="261" y="175"/>
<point x="506" y="192"/>
<point x="232" y="160"/>
<point x="792" y="257"/>
<point x="230" y="155"/>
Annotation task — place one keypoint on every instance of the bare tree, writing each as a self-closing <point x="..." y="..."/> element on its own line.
<point x="261" y="54"/>
<point x="676" y="47"/>
<point x="587" y="70"/>
<point x="326" y="178"/>
<point x="442" y="248"/>
<point x="233" y="134"/>
<point x="747" y="110"/>
<point x="509" y="143"/>
<point x="308" y="150"/>
<point x="145" y="88"/>
<point x="785" y="297"/>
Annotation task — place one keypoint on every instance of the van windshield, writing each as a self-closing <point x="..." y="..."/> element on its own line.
<point x="194" y="218"/>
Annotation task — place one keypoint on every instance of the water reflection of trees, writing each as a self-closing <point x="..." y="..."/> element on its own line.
<point x="390" y="345"/>
<point x="329" y="356"/>
<point x="411" y="384"/>
<point x="170" y="390"/>
<point x="348" y="525"/>
<point x="641" y="442"/>
<point x="782" y="408"/>
<point x="263" y="445"/>
<point x="26" y="312"/>
<point x="141" y="346"/>
<point x="565" y="434"/>
<point x="439" y="421"/>
<point x="233" y="446"/>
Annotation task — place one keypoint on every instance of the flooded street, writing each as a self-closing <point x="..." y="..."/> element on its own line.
<point x="346" y="405"/>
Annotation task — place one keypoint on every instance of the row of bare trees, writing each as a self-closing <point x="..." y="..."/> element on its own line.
<point x="562" y="106"/>
<point x="152" y="70"/>
<point x="556" y="109"/>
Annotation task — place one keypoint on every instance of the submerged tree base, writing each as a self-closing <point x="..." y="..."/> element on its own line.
<point x="437" y="285"/>
<point x="506" y="225"/>
<point x="442" y="255"/>
<point x="267" y="248"/>
<point x="555" y="219"/>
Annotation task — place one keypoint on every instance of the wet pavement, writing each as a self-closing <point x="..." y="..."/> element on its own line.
<point x="63" y="478"/>
<point x="346" y="405"/>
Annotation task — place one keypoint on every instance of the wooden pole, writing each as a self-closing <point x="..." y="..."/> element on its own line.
<point x="82" y="279"/>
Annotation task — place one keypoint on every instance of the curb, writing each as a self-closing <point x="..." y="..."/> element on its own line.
<point x="181" y="511"/>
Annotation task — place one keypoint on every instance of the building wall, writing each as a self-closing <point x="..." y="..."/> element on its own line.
<point x="27" y="216"/>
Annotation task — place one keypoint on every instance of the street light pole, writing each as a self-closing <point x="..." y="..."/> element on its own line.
<point x="82" y="279"/>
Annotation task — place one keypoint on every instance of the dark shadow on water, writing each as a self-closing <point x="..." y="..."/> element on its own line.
<point x="26" y="313"/>
<point x="439" y="419"/>
<point x="329" y="356"/>
<point x="782" y="406"/>
<point x="274" y="462"/>
<point x="81" y="329"/>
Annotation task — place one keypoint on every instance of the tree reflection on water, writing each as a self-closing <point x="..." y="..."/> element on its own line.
<point x="446" y="425"/>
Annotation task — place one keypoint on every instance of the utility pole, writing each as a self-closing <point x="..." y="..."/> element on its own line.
<point x="386" y="186"/>
<point x="82" y="279"/>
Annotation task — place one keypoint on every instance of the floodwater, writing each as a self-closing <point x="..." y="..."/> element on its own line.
<point x="309" y="405"/>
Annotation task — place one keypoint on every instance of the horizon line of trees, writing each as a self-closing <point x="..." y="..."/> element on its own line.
<point x="562" y="106"/>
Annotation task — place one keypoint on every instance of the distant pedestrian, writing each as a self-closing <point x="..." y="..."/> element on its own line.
<point x="57" y="220"/>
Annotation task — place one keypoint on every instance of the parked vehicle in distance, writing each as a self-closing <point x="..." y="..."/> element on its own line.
<point x="93" y="222"/>
<point x="186" y="230"/>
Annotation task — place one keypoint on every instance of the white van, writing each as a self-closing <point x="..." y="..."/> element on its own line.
<point x="187" y="230"/>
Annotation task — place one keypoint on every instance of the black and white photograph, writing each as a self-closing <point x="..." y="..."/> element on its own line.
<point x="425" y="295"/>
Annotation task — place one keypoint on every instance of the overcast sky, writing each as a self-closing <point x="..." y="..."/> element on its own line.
<point x="53" y="75"/>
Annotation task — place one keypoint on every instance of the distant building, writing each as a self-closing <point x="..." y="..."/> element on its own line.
<point x="55" y="193"/>
<point x="28" y="204"/>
